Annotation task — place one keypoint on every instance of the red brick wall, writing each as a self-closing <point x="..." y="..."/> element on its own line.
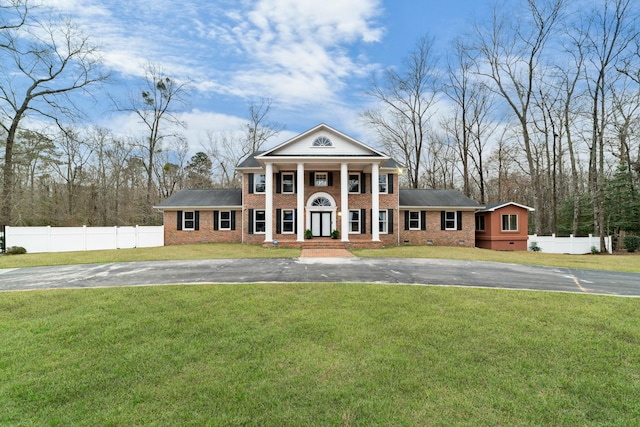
<point x="206" y="233"/>
<point x="356" y="201"/>
<point x="494" y="238"/>
<point x="433" y="235"/>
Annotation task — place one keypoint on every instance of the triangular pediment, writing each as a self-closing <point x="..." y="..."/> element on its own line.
<point x="322" y="141"/>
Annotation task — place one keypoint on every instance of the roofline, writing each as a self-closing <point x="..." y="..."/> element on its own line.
<point x="457" y="208"/>
<point x="530" y="209"/>
<point x="164" y="208"/>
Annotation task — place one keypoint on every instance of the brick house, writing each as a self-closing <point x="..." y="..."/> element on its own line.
<point x="503" y="227"/>
<point x="320" y="182"/>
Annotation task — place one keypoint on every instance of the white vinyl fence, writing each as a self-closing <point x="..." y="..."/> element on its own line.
<point x="66" y="239"/>
<point x="569" y="245"/>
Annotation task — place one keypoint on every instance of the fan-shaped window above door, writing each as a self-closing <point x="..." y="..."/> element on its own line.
<point x="321" y="201"/>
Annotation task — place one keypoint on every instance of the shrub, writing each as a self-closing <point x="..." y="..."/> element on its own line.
<point x="335" y="234"/>
<point x="631" y="243"/>
<point x="308" y="234"/>
<point x="16" y="250"/>
<point x="533" y="247"/>
<point x="594" y="250"/>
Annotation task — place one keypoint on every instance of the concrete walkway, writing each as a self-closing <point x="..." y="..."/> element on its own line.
<point x="326" y="253"/>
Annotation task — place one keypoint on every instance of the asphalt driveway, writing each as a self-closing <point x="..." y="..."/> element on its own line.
<point x="342" y="270"/>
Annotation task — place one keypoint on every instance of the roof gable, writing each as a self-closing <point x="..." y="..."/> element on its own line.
<point x="495" y="206"/>
<point x="322" y="141"/>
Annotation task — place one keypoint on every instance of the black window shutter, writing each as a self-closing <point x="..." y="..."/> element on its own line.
<point x="406" y="220"/>
<point x="423" y="220"/>
<point x="390" y="221"/>
<point x="233" y="220"/>
<point x="250" y="183"/>
<point x="179" y="220"/>
<point x="278" y="183"/>
<point x="363" y="183"/>
<point x="216" y="217"/>
<point x="330" y="179"/>
<point x="250" y="221"/>
<point x="311" y="180"/>
<point x="278" y="221"/>
<point x="459" y="218"/>
<point x="390" y="183"/>
<point x="442" y="220"/>
<point x="363" y="221"/>
<point x="295" y="183"/>
<point x="295" y="221"/>
<point x="197" y="217"/>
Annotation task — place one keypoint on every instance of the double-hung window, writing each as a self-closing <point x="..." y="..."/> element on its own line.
<point x="354" y="183"/>
<point x="382" y="222"/>
<point x="450" y="220"/>
<point x="259" y="222"/>
<point x="225" y="220"/>
<point x="287" y="183"/>
<point x="414" y="220"/>
<point x="509" y="222"/>
<point x="354" y="222"/>
<point x="287" y="220"/>
<point x="383" y="183"/>
<point x="480" y="222"/>
<point x="189" y="220"/>
<point x="259" y="183"/>
<point x="321" y="179"/>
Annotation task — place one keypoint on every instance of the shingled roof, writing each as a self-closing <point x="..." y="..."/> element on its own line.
<point x="416" y="198"/>
<point x="211" y="198"/>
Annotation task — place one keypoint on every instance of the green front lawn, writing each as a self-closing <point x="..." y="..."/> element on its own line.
<point x="628" y="263"/>
<point x="317" y="354"/>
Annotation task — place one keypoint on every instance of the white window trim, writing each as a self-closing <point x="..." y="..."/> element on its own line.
<point x="455" y="220"/>
<point x="292" y="221"/>
<point x="255" y="222"/>
<point x="326" y="179"/>
<point x="509" y="229"/>
<point x="220" y="220"/>
<point x="184" y="220"/>
<point x="386" y="182"/>
<point x="385" y="221"/>
<point x="359" y="183"/>
<point x="418" y="220"/>
<point x="256" y="181"/>
<point x="359" y="221"/>
<point x="293" y="183"/>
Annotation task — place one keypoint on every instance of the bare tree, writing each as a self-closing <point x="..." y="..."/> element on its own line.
<point x="156" y="105"/>
<point x="259" y="129"/>
<point x="407" y="100"/>
<point x="508" y="56"/>
<point x="44" y="64"/>
<point x="226" y="150"/>
<point x="611" y="33"/>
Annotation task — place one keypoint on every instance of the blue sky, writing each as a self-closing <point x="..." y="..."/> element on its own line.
<point x="313" y="58"/>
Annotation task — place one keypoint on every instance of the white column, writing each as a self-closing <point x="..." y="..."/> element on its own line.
<point x="344" y="200"/>
<point x="375" y="202"/>
<point x="300" y="201"/>
<point x="268" y="206"/>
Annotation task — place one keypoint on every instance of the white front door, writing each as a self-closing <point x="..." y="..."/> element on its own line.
<point x="321" y="224"/>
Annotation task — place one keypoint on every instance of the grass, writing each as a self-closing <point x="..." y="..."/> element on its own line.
<point x="626" y="263"/>
<point x="182" y="252"/>
<point x="317" y="354"/>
